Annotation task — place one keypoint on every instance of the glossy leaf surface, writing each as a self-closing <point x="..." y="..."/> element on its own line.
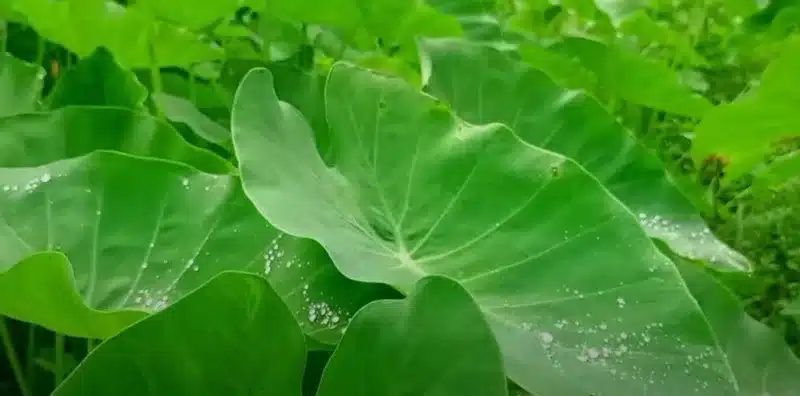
<point x="568" y="280"/>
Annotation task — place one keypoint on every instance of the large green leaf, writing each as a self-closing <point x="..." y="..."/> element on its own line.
<point x="570" y="283"/>
<point x="98" y="80"/>
<point x="130" y="34"/>
<point x="232" y="336"/>
<point x="35" y="139"/>
<point x="20" y="85"/>
<point x="140" y="233"/>
<point x="483" y="85"/>
<point x="744" y="132"/>
<point x="436" y="342"/>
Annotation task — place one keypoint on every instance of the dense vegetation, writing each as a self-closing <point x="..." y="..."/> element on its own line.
<point x="395" y="197"/>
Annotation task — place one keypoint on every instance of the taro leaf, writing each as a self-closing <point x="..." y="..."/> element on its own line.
<point x="180" y="110"/>
<point x="130" y="34"/>
<point x="570" y="283"/>
<point x="624" y="73"/>
<point x="793" y="308"/>
<point x="744" y="132"/>
<point x="760" y="360"/>
<point x="232" y="336"/>
<point x="20" y="85"/>
<point x="36" y="139"/>
<point x="141" y="233"/>
<point x="98" y="80"/>
<point x="436" y="342"/>
<point x="192" y="14"/>
<point x="483" y="85"/>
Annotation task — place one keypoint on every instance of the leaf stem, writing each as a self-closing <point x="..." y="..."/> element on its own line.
<point x="3" y="35"/>
<point x="59" y="363"/>
<point x="30" y="350"/>
<point x="90" y="345"/>
<point x="16" y="367"/>
<point x="155" y="74"/>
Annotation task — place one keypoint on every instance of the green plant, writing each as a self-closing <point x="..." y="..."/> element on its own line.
<point x="395" y="197"/>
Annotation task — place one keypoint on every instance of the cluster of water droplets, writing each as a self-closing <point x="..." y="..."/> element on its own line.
<point x="628" y="351"/>
<point x="671" y="232"/>
<point x="151" y="300"/>
<point x="31" y="185"/>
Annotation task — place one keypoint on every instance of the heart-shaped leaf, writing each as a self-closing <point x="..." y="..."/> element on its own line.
<point x="570" y="283"/>
<point x="232" y="336"/>
<point x="483" y="85"/>
<point x="436" y="342"/>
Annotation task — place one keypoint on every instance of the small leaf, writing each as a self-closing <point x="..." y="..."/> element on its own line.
<point x="232" y="336"/>
<point x="180" y="110"/>
<point x="98" y="80"/>
<point x="436" y="342"/>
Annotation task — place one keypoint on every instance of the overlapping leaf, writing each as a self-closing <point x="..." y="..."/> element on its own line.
<point x="134" y="37"/>
<point x="140" y="233"/>
<point x="622" y="73"/>
<point x="98" y="80"/>
<point x="483" y="85"/>
<point x="436" y="342"/>
<point x="233" y="336"/>
<point x="760" y="360"/>
<point x="569" y="282"/>
<point x="21" y="83"/>
<point x="744" y="132"/>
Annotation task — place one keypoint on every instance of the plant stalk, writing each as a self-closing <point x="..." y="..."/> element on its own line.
<point x="59" y="363"/>
<point x="16" y="367"/>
